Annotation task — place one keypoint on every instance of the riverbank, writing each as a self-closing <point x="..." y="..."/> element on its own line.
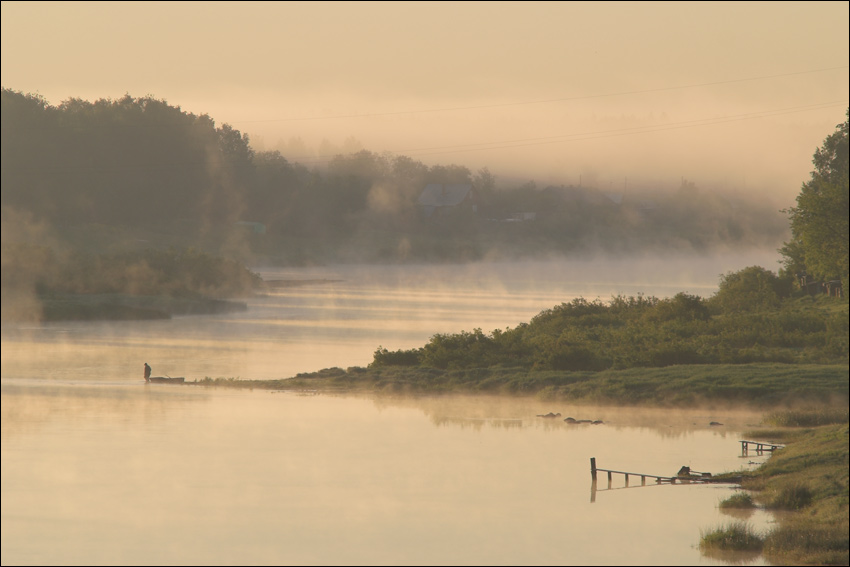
<point x="765" y="386"/>
<point x="807" y="483"/>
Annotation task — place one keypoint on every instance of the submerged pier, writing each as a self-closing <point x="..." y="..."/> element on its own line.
<point x="643" y="477"/>
<point x="692" y="477"/>
<point x="760" y="447"/>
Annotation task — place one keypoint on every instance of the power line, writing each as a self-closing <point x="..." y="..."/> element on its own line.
<point x="542" y="101"/>
<point x="502" y="144"/>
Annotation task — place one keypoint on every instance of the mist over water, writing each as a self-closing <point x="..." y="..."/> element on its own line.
<point x="341" y="318"/>
<point x="176" y="476"/>
<point x="100" y="468"/>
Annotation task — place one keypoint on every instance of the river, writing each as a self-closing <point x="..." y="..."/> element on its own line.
<point x="100" y="468"/>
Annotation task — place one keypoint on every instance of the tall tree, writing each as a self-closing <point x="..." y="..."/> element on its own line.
<point x="819" y="222"/>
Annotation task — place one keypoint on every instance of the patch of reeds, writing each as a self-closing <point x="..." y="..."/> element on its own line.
<point x="809" y="542"/>
<point x="741" y="500"/>
<point x="807" y="417"/>
<point x="794" y="496"/>
<point x="737" y="536"/>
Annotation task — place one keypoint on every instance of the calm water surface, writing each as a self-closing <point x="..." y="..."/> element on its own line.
<point x="99" y="468"/>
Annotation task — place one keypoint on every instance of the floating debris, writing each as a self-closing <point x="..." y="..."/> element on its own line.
<point x="572" y="420"/>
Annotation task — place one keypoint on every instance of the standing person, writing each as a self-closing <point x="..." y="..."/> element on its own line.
<point x="147" y="372"/>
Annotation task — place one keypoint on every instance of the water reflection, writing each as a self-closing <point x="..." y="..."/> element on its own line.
<point x="256" y="477"/>
<point x="99" y="468"/>
<point x="30" y="407"/>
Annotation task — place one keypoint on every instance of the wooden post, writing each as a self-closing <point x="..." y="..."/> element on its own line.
<point x="643" y="480"/>
<point x="627" y="480"/>
<point x="593" y="468"/>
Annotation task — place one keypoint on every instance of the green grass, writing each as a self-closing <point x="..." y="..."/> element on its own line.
<point x="807" y="418"/>
<point x="736" y="536"/>
<point x="739" y="500"/>
<point x="808" y="542"/>
<point x="809" y="478"/>
<point x="824" y="388"/>
<point x="808" y="481"/>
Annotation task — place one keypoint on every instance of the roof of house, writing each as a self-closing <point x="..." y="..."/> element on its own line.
<point x="438" y="195"/>
<point x="616" y="198"/>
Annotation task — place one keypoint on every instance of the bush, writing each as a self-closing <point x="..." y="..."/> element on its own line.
<point x="751" y="289"/>
<point x="384" y="357"/>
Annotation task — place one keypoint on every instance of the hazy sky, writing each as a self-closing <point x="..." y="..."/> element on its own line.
<point x="733" y="95"/>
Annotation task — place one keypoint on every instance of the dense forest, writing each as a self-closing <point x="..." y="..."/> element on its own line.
<point x="137" y="172"/>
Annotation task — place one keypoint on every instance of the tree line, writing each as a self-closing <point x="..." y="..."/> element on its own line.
<point x="140" y="163"/>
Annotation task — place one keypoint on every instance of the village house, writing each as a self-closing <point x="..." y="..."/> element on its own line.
<point x="438" y="200"/>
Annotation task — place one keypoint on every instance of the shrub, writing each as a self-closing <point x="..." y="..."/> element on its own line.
<point x="737" y="536"/>
<point x="751" y="289"/>
<point x="384" y="357"/>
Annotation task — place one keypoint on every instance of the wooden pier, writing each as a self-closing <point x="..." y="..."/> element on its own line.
<point x="643" y="477"/>
<point x="760" y="447"/>
<point x="693" y="477"/>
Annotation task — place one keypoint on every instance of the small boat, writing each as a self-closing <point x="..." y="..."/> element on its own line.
<point x="166" y="380"/>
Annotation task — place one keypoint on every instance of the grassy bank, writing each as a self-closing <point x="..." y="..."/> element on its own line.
<point x="754" y="385"/>
<point x="808" y="481"/>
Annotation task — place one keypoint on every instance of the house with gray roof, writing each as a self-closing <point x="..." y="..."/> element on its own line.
<point x="438" y="199"/>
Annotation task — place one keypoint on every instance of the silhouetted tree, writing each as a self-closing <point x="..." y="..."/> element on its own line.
<point x="819" y="222"/>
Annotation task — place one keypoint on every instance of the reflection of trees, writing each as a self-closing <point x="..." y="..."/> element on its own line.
<point x="28" y="409"/>
<point x="476" y="424"/>
<point x="508" y="411"/>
